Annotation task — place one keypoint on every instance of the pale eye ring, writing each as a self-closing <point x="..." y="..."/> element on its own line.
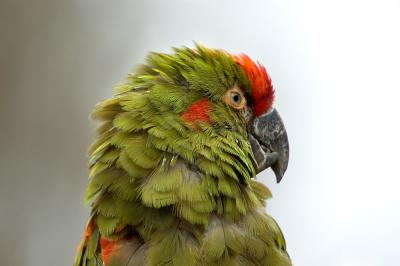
<point x="235" y="98"/>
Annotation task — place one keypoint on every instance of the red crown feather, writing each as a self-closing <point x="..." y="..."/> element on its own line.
<point x="262" y="92"/>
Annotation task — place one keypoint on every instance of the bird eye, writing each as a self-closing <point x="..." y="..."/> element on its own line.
<point x="235" y="98"/>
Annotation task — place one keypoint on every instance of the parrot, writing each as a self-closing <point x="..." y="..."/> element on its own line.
<point x="172" y="173"/>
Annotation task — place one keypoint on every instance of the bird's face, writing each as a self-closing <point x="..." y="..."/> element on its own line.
<point x="266" y="132"/>
<point x="225" y="105"/>
<point x="265" y="129"/>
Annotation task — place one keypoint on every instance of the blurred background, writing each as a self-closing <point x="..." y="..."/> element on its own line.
<point x="335" y="66"/>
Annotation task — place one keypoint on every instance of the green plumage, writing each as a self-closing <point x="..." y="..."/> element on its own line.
<point x="184" y="193"/>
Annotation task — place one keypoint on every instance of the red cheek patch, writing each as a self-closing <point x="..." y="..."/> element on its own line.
<point x="197" y="112"/>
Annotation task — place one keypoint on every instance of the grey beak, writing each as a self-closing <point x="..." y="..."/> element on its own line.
<point x="269" y="143"/>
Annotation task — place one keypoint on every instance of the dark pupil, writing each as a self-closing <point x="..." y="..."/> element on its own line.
<point x="236" y="97"/>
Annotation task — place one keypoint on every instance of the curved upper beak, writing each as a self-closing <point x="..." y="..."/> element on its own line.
<point x="269" y="143"/>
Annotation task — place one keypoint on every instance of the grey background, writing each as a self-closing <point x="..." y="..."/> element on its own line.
<point x="335" y="67"/>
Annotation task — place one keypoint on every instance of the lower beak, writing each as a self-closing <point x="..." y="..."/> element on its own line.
<point x="269" y="143"/>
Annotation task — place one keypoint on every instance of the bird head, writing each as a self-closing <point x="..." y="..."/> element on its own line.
<point x="208" y="107"/>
